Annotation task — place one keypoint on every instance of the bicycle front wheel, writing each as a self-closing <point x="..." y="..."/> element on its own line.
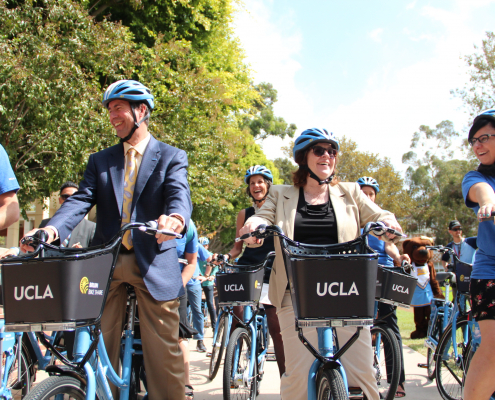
<point x="430" y="364"/>
<point x="237" y="382"/>
<point x="19" y="375"/>
<point x="59" y="387"/>
<point x="386" y="361"/>
<point x="218" y="346"/>
<point x="451" y="360"/>
<point x="330" y="385"/>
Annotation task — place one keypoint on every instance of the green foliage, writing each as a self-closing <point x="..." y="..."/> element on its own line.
<point x="51" y="56"/>
<point x="435" y="183"/>
<point x="479" y="94"/>
<point x="285" y="168"/>
<point x="263" y="122"/>
<point x="354" y="164"/>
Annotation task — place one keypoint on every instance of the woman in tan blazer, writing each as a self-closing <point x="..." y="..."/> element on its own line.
<point x="317" y="209"/>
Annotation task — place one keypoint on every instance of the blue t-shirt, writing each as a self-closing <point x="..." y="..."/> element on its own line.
<point x="484" y="260"/>
<point x="379" y="246"/>
<point x="189" y="244"/>
<point x="8" y="181"/>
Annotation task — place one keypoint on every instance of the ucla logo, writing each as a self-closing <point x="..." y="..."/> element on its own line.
<point x="233" y="288"/>
<point x="335" y="289"/>
<point x="32" y="293"/>
<point x="400" y="289"/>
<point x="84" y="285"/>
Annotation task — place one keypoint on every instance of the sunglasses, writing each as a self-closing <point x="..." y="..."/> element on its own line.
<point x="482" y="139"/>
<point x="456" y="229"/>
<point x="65" y="196"/>
<point x="319" y="151"/>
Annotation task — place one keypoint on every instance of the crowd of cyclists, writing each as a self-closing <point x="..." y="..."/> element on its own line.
<point x="142" y="179"/>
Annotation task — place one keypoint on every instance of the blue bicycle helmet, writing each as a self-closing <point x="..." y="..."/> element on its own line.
<point x="258" y="170"/>
<point x="203" y="240"/>
<point x="369" y="181"/>
<point x="487" y="115"/>
<point x="129" y="90"/>
<point x="314" y="135"/>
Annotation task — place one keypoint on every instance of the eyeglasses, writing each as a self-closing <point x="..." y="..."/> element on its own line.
<point x="457" y="229"/>
<point x="482" y="139"/>
<point x="65" y="196"/>
<point x="319" y="151"/>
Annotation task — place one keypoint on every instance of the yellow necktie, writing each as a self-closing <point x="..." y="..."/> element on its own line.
<point x="129" y="184"/>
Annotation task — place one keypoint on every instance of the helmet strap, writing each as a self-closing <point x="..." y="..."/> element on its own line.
<point x="259" y="201"/>
<point x="316" y="178"/>
<point x="136" y="124"/>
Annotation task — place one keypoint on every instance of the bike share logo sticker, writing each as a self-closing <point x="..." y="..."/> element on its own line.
<point x="90" y="288"/>
<point x="335" y="289"/>
<point x="465" y="278"/>
<point x="257" y="285"/>
<point x="32" y="293"/>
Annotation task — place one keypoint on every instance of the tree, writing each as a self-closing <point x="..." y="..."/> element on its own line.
<point x="435" y="183"/>
<point x="285" y="168"/>
<point x="263" y="122"/>
<point x="479" y="94"/>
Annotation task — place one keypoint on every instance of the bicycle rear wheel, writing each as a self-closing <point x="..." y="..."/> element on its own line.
<point x="330" y="385"/>
<point x="237" y="384"/>
<point x="59" y="387"/>
<point x="218" y="346"/>
<point x="450" y="369"/>
<point x="386" y="361"/>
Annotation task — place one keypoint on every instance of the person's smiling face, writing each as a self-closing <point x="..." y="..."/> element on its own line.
<point x="257" y="187"/>
<point x="322" y="166"/>
<point x="485" y="152"/>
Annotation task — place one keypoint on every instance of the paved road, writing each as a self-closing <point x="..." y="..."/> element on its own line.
<point x="418" y="387"/>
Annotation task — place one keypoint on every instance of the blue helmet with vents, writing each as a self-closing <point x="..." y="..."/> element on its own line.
<point x="203" y="240"/>
<point x="130" y="90"/>
<point x="314" y="135"/>
<point x="258" y="170"/>
<point x="369" y="181"/>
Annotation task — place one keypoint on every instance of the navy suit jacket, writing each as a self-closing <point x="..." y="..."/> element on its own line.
<point x="161" y="188"/>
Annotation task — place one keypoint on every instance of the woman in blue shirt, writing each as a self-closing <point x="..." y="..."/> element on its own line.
<point x="478" y="189"/>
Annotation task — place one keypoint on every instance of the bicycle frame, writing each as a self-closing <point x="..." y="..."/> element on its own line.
<point x="7" y="343"/>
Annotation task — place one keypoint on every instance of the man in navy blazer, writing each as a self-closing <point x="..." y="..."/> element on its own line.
<point x="161" y="193"/>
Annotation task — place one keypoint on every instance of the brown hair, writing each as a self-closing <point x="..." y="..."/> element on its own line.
<point x="300" y="177"/>
<point x="267" y="181"/>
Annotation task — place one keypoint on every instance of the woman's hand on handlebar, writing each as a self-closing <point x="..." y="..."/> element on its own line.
<point x="391" y="223"/>
<point x="404" y="258"/>
<point x="486" y="212"/>
<point x="250" y="227"/>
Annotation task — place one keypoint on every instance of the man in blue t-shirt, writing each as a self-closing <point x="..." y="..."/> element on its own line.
<point x="9" y="206"/>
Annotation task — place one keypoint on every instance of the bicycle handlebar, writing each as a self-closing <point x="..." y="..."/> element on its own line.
<point x="489" y="218"/>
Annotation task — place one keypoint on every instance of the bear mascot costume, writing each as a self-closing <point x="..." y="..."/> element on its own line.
<point x="427" y="286"/>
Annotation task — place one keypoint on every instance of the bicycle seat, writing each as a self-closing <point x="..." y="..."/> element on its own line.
<point x="443" y="276"/>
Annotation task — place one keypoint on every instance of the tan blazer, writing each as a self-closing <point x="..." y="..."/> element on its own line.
<point x="352" y="210"/>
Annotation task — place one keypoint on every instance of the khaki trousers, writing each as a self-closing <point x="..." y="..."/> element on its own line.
<point x="159" y="323"/>
<point x="357" y="361"/>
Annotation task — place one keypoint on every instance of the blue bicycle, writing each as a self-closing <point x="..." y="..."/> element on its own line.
<point x="87" y="274"/>
<point x="350" y="263"/>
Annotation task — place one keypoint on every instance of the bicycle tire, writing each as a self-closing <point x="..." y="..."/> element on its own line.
<point x="218" y="347"/>
<point x="236" y="384"/>
<point x="449" y="371"/>
<point x="262" y="344"/>
<point x="54" y="386"/>
<point x="330" y="385"/>
<point x="430" y="364"/>
<point x="387" y="366"/>
<point x="20" y="387"/>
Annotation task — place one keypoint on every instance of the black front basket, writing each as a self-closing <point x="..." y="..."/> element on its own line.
<point x="240" y="287"/>
<point x="331" y="282"/>
<point x="463" y="276"/>
<point x="56" y="289"/>
<point x="395" y="287"/>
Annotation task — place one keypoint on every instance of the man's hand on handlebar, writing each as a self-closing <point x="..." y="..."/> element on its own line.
<point x="167" y="223"/>
<point x="26" y="247"/>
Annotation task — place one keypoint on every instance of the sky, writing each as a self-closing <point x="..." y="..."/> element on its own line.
<point x="373" y="71"/>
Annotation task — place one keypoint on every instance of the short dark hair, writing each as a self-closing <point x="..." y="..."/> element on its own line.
<point x="300" y="176"/>
<point x="67" y="185"/>
<point x="136" y="104"/>
<point x="481" y="122"/>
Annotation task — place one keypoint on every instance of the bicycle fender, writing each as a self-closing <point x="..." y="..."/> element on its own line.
<point x="64" y="370"/>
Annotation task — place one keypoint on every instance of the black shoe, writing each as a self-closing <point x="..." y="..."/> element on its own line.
<point x="201" y="347"/>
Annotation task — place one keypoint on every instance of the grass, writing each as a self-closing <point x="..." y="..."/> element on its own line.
<point x="405" y="317"/>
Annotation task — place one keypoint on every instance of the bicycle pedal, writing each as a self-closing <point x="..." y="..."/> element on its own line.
<point x="271" y="357"/>
<point x="208" y="354"/>
<point x="420" y="365"/>
<point x="355" y="393"/>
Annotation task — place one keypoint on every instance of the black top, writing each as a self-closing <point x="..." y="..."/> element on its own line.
<point x="315" y="224"/>
<point x="256" y="255"/>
